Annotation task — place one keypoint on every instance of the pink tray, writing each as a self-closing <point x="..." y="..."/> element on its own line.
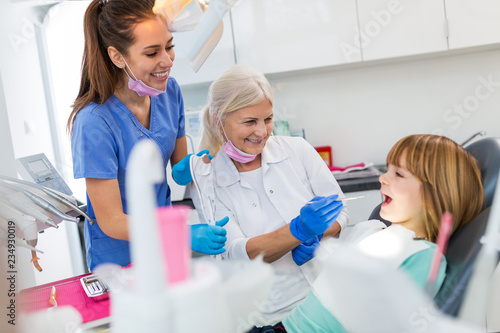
<point x="68" y="292"/>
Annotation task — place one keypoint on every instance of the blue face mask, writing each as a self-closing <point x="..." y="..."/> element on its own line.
<point x="140" y="87"/>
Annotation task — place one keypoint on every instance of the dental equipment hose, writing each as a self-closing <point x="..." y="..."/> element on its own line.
<point x="50" y="193"/>
<point x="211" y="217"/>
<point x="41" y="202"/>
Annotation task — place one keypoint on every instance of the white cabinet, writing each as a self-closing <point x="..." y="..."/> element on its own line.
<point x="397" y="28"/>
<point x="473" y="22"/>
<point x="221" y="58"/>
<point x="285" y="35"/>
<point x="275" y="36"/>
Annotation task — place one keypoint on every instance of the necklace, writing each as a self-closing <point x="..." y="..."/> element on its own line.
<point x="138" y="129"/>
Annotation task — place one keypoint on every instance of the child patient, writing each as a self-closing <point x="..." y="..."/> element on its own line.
<point x="427" y="175"/>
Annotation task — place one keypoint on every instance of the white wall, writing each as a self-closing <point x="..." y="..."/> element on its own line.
<point x="64" y="29"/>
<point x="21" y="74"/>
<point x="7" y="167"/>
<point x="28" y="119"/>
<point x="362" y="111"/>
<point x="22" y="274"/>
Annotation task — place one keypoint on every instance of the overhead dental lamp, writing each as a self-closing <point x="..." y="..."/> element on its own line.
<point x="203" y="17"/>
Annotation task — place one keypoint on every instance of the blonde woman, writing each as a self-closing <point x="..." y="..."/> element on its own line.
<point x="278" y="193"/>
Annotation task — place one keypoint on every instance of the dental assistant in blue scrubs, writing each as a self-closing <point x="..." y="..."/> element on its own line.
<point x="126" y="95"/>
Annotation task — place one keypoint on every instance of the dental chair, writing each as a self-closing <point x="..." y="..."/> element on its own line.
<point x="464" y="244"/>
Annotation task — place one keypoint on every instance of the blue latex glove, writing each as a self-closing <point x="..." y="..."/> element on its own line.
<point x="181" y="172"/>
<point x="316" y="217"/>
<point x="305" y="251"/>
<point x="209" y="239"/>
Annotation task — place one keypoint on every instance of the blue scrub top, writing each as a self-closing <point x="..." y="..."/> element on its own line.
<point x="103" y="137"/>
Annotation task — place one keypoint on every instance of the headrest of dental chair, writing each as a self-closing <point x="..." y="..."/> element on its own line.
<point x="487" y="152"/>
<point x="465" y="244"/>
<point x="375" y="215"/>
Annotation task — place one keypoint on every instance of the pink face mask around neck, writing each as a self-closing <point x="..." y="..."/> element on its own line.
<point x="234" y="153"/>
<point x="140" y="87"/>
<point x="143" y="89"/>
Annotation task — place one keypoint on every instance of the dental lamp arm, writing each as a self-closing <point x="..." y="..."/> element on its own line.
<point x="207" y="33"/>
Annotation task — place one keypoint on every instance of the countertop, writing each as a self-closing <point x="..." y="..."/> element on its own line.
<point x="359" y="184"/>
<point x="362" y="183"/>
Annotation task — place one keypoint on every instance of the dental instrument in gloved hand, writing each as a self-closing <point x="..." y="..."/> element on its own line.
<point x="352" y="198"/>
<point x="209" y="239"/>
<point x="181" y="172"/>
<point x="316" y="217"/>
<point x="305" y="251"/>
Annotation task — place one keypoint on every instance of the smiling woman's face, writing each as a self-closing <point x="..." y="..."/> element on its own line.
<point x="249" y="128"/>
<point x="151" y="56"/>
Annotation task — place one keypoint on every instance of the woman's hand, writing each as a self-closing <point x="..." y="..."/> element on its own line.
<point x="181" y="172"/>
<point x="316" y="217"/>
<point x="209" y="239"/>
<point x="305" y="251"/>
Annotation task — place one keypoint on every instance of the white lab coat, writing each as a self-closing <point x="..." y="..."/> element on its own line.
<point x="293" y="173"/>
